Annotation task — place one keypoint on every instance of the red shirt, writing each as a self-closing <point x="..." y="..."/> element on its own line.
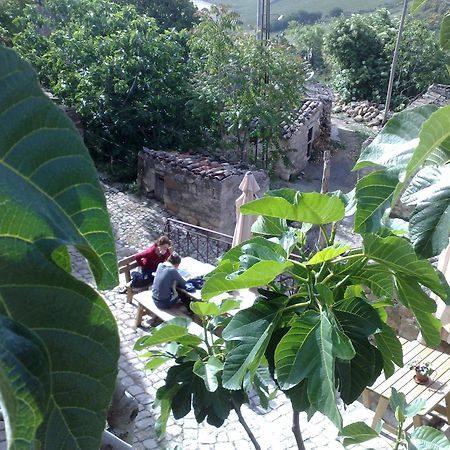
<point x="149" y="259"/>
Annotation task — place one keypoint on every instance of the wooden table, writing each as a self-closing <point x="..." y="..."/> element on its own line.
<point x="434" y="392"/>
<point x="191" y="268"/>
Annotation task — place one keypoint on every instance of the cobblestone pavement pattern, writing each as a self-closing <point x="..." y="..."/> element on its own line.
<point x="136" y="224"/>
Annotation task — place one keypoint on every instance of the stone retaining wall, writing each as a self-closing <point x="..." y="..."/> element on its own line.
<point x="195" y="188"/>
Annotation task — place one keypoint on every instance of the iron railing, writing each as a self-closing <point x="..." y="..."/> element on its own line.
<point x="200" y="243"/>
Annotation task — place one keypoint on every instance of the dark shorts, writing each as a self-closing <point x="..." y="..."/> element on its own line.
<point x="165" y="304"/>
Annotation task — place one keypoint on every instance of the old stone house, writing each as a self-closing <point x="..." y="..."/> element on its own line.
<point x="308" y="131"/>
<point x="194" y="187"/>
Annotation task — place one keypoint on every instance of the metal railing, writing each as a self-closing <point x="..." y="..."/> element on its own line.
<point x="200" y="243"/>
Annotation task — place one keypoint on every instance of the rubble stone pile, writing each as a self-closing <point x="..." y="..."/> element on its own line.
<point x="369" y="113"/>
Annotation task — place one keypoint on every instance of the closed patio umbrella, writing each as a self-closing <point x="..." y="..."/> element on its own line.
<point x="242" y="230"/>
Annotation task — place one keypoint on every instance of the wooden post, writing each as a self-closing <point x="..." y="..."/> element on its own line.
<point x="325" y="188"/>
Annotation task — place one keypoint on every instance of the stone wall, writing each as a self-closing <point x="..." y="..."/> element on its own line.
<point x="195" y="188"/>
<point x="299" y="146"/>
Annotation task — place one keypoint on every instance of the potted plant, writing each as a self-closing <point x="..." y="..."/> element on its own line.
<point x="422" y="371"/>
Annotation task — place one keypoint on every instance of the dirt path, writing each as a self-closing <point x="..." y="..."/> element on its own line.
<point x="347" y="137"/>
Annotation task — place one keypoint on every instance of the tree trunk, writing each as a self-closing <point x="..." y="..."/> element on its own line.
<point x="296" y="430"/>
<point x="394" y="63"/>
<point x="122" y="413"/>
<point x="246" y="427"/>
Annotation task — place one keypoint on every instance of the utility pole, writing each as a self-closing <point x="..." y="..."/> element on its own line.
<point x="263" y="20"/>
<point x="394" y="63"/>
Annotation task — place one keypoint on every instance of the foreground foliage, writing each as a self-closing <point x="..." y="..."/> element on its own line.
<point x="52" y="326"/>
<point x="423" y="437"/>
<point x="323" y="331"/>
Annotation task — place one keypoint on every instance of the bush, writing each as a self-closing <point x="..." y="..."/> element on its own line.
<point x="359" y="50"/>
<point x="127" y="78"/>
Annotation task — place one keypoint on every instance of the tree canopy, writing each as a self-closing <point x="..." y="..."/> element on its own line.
<point x="246" y="89"/>
<point x="127" y="78"/>
<point x="359" y="50"/>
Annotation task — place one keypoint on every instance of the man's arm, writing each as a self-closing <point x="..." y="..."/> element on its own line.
<point x="181" y="282"/>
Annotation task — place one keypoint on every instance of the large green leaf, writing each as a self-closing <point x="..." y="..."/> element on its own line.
<point x="306" y="352"/>
<point x="423" y="307"/>
<point x="271" y="226"/>
<point x="252" y="328"/>
<point x="48" y="183"/>
<point x="434" y="133"/>
<point x="357" y="433"/>
<point x="51" y="198"/>
<point x="373" y="195"/>
<point x="390" y="348"/>
<point x="395" y="144"/>
<point x="397" y="255"/>
<point x="357" y="317"/>
<point x="259" y="274"/>
<point x="430" y="220"/>
<point x="428" y="438"/>
<point x="310" y="207"/>
<point x="361" y="371"/>
<point x="71" y="321"/>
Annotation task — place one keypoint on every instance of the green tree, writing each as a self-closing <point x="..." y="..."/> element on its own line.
<point x="176" y="14"/>
<point x="359" y="50"/>
<point x="59" y="343"/>
<point x="245" y="89"/>
<point x="10" y="10"/>
<point x="126" y="78"/>
<point x="308" y="39"/>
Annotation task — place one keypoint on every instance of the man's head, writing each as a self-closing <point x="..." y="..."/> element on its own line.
<point x="175" y="260"/>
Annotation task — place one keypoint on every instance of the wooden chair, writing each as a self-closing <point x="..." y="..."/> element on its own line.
<point x="126" y="266"/>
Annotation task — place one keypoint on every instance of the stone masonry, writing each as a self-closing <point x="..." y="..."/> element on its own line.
<point x="196" y="188"/>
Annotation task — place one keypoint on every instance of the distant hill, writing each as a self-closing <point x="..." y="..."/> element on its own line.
<point x="247" y="8"/>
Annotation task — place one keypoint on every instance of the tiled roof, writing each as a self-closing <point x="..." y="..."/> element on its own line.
<point x="437" y="94"/>
<point x="198" y="164"/>
<point x="299" y="116"/>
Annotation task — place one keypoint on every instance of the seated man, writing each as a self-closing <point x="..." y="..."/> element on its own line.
<point x="167" y="279"/>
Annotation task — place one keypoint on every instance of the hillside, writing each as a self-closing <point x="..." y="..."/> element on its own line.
<point x="247" y="8"/>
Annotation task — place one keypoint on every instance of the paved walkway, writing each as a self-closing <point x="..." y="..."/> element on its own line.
<point x="136" y="224"/>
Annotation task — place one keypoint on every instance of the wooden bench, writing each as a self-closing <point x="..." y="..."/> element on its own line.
<point x="126" y="265"/>
<point x="146" y="305"/>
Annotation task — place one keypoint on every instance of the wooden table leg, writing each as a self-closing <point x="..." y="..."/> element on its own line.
<point x="417" y="421"/>
<point x="379" y="412"/>
<point x="139" y="315"/>
<point x="366" y="398"/>
<point x="447" y="407"/>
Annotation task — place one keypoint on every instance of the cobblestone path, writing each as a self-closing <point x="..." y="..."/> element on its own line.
<point x="136" y="224"/>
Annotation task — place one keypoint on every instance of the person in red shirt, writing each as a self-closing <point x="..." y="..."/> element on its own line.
<point x="149" y="259"/>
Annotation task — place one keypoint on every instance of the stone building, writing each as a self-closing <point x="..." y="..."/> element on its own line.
<point x="308" y="131"/>
<point x="195" y="188"/>
<point x="437" y="94"/>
